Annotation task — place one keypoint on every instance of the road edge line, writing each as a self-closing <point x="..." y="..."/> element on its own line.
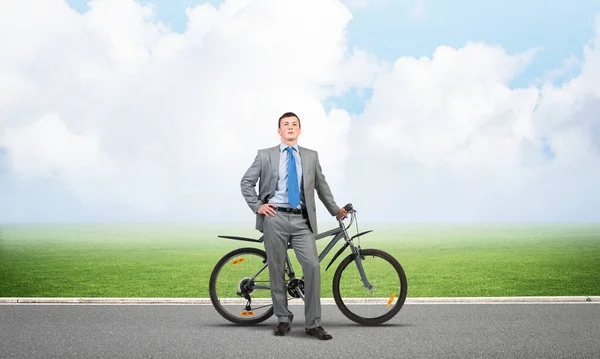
<point x="326" y="301"/>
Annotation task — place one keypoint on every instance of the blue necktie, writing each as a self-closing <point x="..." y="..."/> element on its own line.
<point x="293" y="190"/>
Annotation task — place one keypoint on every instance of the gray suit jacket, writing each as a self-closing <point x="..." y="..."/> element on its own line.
<point x="266" y="167"/>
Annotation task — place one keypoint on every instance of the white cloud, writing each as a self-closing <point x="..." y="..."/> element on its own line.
<point x="466" y="146"/>
<point x="131" y="116"/>
<point x="453" y="109"/>
<point x="562" y="73"/>
<point x="45" y="145"/>
<point x="128" y="114"/>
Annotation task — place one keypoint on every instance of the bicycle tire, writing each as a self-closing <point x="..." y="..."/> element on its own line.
<point x="213" y="291"/>
<point x="360" y="319"/>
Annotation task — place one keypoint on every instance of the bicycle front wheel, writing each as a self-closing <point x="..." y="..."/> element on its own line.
<point x="386" y="293"/>
<point x="239" y="287"/>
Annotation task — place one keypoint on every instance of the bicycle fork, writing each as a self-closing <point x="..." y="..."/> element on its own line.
<point x="358" y="259"/>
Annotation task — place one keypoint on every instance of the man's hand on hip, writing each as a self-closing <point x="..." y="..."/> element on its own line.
<point x="268" y="209"/>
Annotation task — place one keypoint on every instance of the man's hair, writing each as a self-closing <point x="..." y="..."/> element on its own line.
<point x="288" y="114"/>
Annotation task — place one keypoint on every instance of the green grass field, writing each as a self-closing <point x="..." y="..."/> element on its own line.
<point x="176" y="260"/>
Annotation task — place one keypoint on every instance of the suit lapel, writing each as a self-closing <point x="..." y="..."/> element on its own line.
<point x="306" y="164"/>
<point x="274" y="158"/>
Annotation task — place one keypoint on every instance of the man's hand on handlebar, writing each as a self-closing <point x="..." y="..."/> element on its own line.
<point x="343" y="214"/>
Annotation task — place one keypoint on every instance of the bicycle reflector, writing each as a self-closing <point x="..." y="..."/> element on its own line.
<point x="391" y="299"/>
<point x="238" y="261"/>
<point x="247" y="314"/>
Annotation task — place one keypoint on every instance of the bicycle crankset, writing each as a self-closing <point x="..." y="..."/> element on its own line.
<point x="295" y="287"/>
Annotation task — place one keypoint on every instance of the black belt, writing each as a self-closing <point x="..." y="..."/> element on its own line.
<point x="291" y="210"/>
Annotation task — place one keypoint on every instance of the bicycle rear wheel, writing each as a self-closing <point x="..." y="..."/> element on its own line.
<point x="375" y="305"/>
<point x="239" y="287"/>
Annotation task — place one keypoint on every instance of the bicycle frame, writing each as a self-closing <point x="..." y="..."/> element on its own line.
<point x="337" y="233"/>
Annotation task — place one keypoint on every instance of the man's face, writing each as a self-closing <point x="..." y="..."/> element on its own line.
<point x="289" y="128"/>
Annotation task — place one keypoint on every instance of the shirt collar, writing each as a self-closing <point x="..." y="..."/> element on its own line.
<point x="283" y="146"/>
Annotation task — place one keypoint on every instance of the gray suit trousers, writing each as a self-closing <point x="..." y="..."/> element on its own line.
<point x="293" y="228"/>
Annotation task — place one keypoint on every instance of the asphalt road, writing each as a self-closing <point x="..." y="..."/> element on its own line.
<point x="197" y="331"/>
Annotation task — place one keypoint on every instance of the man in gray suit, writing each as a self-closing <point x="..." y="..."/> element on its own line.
<point x="286" y="212"/>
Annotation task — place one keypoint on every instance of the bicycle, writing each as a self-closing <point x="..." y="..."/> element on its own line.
<point x="370" y="293"/>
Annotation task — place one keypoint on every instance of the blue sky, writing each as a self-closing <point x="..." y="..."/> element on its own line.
<point x="560" y="28"/>
<point x="387" y="29"/>
<point x="124" y="127"/>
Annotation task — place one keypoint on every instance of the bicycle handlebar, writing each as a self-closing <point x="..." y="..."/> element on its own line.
<point x="349" y="209"/>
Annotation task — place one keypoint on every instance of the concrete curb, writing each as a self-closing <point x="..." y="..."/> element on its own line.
<point x="325" y="301"/>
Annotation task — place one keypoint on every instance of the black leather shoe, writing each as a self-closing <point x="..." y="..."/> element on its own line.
<point x="318" y="332"/>
<point x="282" y="329"/>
